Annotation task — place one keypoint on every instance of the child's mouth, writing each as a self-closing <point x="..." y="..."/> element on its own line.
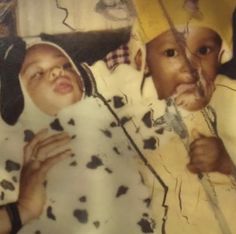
<point x="184" y="88"/>
<point x="63" y="85"/>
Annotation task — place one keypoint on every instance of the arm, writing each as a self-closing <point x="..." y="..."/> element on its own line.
<point x="5" y="223"/>
<point x="36" y="165"/>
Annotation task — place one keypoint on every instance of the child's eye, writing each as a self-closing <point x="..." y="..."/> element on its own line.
<point x="67" y="66"/>
<point x="170" y="53"/>
<point x="204" y="50"/>
<point x="37" y="75"/>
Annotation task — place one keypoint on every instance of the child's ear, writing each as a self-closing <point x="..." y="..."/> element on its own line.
<point x="147" y="71"/>
<point x="220" y="56"/>
<point x="11" y="96"/>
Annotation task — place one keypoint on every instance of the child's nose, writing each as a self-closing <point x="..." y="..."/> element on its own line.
<point x="191" y="66"/>
<point x="56" y="71"/>
<point x="195" y="61"/>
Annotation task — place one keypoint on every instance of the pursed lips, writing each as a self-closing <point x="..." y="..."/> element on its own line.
<point x="62" y="85"/>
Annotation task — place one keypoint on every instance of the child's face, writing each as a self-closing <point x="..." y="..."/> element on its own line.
<point x="50" y="79"/>
<point x="170" y="69"/>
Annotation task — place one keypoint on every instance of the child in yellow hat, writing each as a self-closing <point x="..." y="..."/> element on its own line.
<point x="185" y="44"/>
<point x="186" y="41"/>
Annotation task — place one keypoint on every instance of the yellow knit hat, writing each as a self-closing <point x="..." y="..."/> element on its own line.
<point x="214" y="14"/>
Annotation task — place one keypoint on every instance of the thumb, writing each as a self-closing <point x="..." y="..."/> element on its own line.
<point x="196" y="134"/>
<point x="192" y="168"/>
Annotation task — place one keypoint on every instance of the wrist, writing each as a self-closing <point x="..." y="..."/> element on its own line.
<point x="14" y="217"/>
<point x="25" y="214"/>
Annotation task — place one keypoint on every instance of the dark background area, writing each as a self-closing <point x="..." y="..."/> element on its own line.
<point x="90" y="46"/>
<point x="85" y="46"/>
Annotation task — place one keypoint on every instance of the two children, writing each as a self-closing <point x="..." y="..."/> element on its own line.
<point x="89" y="192"/>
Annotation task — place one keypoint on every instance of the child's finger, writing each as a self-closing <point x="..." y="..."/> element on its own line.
<point x="200" y="166"/>
<point x="50" y="162"/>
<point x="29" y="148"/>
<point x="192" y="168"/>
<point x="197" y="152"/>
<point x="45" y="151"/>
<point x="54" y="138"/>
<point x="197" y="167"/>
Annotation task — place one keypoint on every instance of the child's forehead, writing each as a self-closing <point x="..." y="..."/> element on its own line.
<point x="42" y="50"/>
<point x="42" y="54"/>
<point x="155" y="17"/>
<point x="194" y="34"/>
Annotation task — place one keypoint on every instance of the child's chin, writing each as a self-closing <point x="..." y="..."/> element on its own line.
<point x="191" y="103"/>
<point x="195" y="106"/>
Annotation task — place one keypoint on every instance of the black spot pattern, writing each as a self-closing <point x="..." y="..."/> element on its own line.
<point x="28" y="135"/>
<point x="160" y="131"/>
<point x="73" y="137"/>
<point x="124" y="120"/>
<point x="109" y="101"/>
<point x="50" y="214"/>
<point x="71" y="122"/>
<point x="118" y="101"/>
<point x="56" y="125"/>
<point x="122" y="190"/>
<point x="37" y="232"/>
<point x="7" y="185"/>
<point x="83" y="199"/>
<point x="113" y="124"/>
<point x="145" y="226"/>
<point x="108" y="170"/>
<point x="45" y="183"/>
<point x="129" y="147"/>
<point x="12" y="166"/>
<point x="94" y="163"/>
<point x="96" y="224"/>
<point x="147" y="119"/>
<point x="81" y="215"/>
<point x="14" y="178"/>
<point x="2" y="196"/>
<point x="107" y="133"/>
<point x="149" y="143"/>
<point x="73" y="164"/>
<point x="147" y="201"/>
<point x="141" y="178"/>
<point x="116" y="150"/>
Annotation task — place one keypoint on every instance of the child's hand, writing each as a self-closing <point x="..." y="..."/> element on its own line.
<point x="37" y="164"/>
<point x="208" y="154"/>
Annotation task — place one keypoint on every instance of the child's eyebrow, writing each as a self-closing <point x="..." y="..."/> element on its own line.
<point x="168" y="42"/>
<point x="168" y="38"/>
<point x="211" y="39"/>
<point x="59" y="55"/>
<point x="28" y="66"/>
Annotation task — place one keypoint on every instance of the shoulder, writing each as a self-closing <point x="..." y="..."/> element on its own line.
<point x="225" y="91"/>
<point x="225" y="83"/>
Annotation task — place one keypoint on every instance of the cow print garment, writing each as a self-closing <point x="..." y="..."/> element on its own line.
<point x="99" y="189"/>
